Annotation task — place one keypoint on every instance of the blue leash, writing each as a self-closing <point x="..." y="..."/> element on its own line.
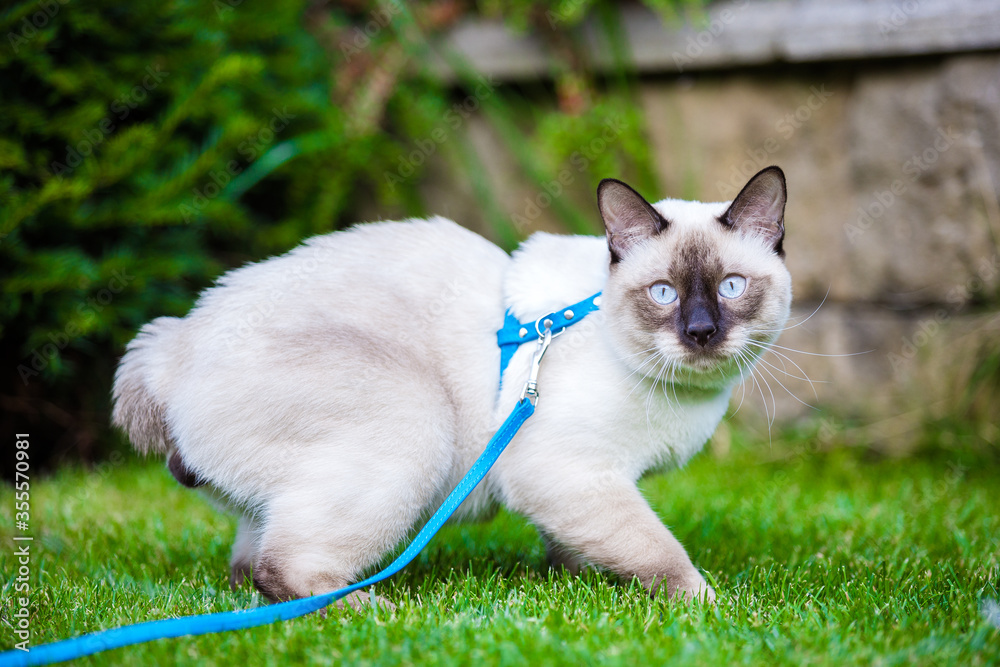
<point x="204" y="624"/>
<point x="239" y="620"/>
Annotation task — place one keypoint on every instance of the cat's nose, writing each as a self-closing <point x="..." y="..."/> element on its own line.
<point x="701" y="331"/>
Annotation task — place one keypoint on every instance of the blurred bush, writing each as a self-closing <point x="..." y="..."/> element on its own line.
<point x="147" y="148"/>
<point x="144" y="149"/>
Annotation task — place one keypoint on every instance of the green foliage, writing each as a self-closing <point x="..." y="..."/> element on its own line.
<point x="144" y="151"/>
<point x="817" y="559"/>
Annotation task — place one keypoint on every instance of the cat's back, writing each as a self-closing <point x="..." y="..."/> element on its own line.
<point x="372" y="275"/>
<point x="418" y="287"/>
<point x="389" y="258"/>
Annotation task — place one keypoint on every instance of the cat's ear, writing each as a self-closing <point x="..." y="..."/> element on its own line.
<point x="628" y="218"/>
<point x="759" y="208"/>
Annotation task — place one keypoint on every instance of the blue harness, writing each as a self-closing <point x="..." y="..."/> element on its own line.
<point x="514" y="333"/>
<point x="510" y="337"/>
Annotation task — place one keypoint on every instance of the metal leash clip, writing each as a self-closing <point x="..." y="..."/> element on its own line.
<point x="530" y="390"/>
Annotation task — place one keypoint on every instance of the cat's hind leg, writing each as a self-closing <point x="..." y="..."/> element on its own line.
<point x="353" y="502"/>
<point x="560" y="556"/>
<point x="244" y="550"/>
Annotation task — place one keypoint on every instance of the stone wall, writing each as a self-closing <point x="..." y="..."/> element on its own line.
<point x="893" y="172"/>
<point x="893" y="218"/>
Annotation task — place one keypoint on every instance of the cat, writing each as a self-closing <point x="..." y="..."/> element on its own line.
<point x="333" y="396"/>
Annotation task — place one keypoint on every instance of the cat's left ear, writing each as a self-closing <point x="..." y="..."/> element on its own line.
<point x="759" y="208"/>
<point x="628" y="218"/>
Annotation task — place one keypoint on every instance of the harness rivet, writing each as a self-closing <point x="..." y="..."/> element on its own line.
<point x="523" y="332"/>
<point x="568" y="314"/>
<point x="597" y="300"/>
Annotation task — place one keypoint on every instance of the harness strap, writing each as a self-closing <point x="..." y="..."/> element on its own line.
<point x="515" y="333"/>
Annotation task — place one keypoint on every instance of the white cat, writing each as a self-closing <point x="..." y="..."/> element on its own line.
<point x="334" y="395"/>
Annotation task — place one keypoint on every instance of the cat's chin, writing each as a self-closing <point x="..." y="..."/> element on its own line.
<point x="704" y="362"/>
<point x="720" y="368"/>
<point x="704" y="372"/>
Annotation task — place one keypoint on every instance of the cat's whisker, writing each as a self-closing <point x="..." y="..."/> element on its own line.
<point x="654" y="358"/>
<point x="636" y="354"/>
<point x="785" y="357"/>
<point x="638" y="383"/>
<point x="649" y="396"/>
<point x="634" y="387"/>
<point x="661" y="380"/>
<point x="763" y="353"/>
<point x="675" y="367"/>
<point x="804" y="377"/>
<point x="811" y="354"/>
<point x="759" y="383"/>
<point x="774" y="402"/>
<point x="749" y="369"/>
<point x="743" y="386"/>
<point x="768" y="416"/>
<point x="650" y="359"/>
<point x="798" y="324"/>
<point x="722" y="373"/>
<point x="780" y="384"/>
<point x="786" y="373"/>
<point x="673" y="382"/>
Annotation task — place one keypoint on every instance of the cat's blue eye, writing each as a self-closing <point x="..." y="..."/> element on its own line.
<point x="732" y="286"/>
<point x="662" y="293"/>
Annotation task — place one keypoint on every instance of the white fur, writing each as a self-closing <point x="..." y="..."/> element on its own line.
<point x="335" y="394"/>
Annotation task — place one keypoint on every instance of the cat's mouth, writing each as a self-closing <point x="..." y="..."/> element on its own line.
<point x="723" y="359"/>
<point x="705" y="360"/>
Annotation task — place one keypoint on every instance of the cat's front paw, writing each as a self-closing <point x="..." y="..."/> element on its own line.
<point x="361" y="601"/>
<point x="693" y="587"/>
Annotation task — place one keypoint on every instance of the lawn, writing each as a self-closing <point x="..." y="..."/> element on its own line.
<point x="818" y="558"/>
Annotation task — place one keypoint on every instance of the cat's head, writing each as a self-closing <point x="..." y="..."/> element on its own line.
<point x="695" y="291"/>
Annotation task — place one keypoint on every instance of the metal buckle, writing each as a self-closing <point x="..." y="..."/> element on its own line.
<point x="530" y="390"/>
<point x="546" y="321"/>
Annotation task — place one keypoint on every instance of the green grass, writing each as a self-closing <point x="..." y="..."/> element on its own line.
<point x="833" y="558"/>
